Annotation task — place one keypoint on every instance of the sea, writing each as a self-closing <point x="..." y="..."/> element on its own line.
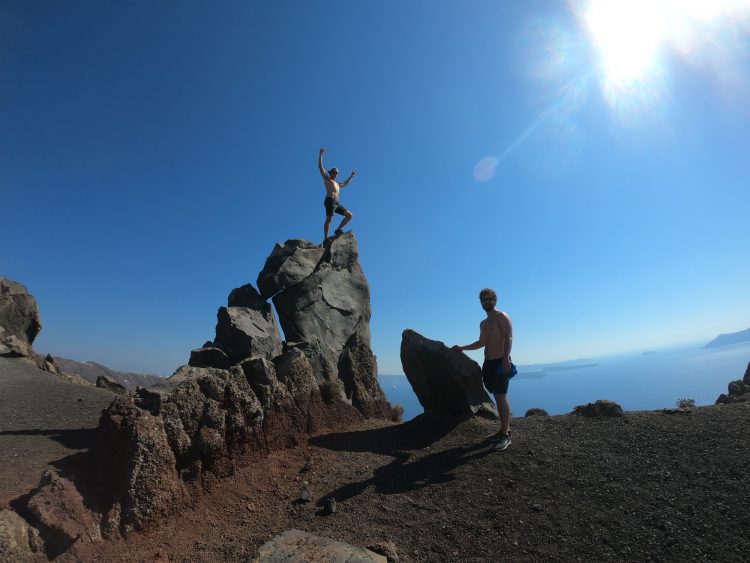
<point x="646" y="380"/>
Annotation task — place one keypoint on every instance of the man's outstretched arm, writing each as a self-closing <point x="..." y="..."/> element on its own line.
<point x="320" y="163"/>
<point x="473" y="346"/>
<point x="349" y="179"/>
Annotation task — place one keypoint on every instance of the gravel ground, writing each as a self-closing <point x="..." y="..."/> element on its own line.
<point x="44" y="423"/>
<point x="645" y="487"/>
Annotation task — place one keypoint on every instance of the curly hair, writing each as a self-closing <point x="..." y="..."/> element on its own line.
<point x="487" y="292"/>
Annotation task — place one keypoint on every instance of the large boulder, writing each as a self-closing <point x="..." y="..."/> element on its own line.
<point x="445" y="381"/>
<point x="288" y="264"/>
<point x="245" y="328"/>
<point x="59" y="511"/>
<point x="19" y="312"/>
<point x="18" y="540"/>
<point x="738" y="391"/>
<point x="295" y="546"/>
<point x="319" y="303"/>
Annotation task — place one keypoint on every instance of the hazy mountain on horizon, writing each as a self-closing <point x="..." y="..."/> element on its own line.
<point x="730" y="338"/>
<point x="91" y="370"/>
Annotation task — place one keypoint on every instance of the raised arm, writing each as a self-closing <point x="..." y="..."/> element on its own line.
<point x="349" y="179"/>
<point x="320" y="163"/>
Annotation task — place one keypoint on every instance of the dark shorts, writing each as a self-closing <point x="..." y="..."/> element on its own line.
<point x="333" y="206"/>
<point x="494" y="379"/>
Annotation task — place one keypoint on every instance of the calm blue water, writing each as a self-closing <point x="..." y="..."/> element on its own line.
<point x="653" y="380"/>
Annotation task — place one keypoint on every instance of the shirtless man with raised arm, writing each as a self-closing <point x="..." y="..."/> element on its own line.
<point x="331" y="202"/>
<point x="496" y="337"/>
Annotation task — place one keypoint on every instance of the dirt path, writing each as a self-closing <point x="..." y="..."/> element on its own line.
<point x="44" y="423"/>
<point x="647" y="487"/>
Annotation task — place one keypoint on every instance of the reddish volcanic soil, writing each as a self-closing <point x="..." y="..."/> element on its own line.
<point x="645" y="487"/>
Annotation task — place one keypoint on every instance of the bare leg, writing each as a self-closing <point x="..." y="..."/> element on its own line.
<point x="326" y="226"/>
<point x="503" y="406"/>
<point x="345" y="220"/>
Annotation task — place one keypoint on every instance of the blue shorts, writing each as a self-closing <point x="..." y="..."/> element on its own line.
<point x="495" y="379"/>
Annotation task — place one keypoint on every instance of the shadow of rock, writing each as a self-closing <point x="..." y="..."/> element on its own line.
<point x="404" y="473"/>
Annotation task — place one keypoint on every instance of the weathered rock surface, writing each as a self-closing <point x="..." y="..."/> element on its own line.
<point x="296" y="546"/>
<point x="244" y="393"/>
<point x="18" y="540"/>
<point x="136" y="465"/>
<point x="445" y="381"/>
<point x="321" y="304"/>
<point x="209" y="356"/>
<point x="245" y="328"/>
<point x="19" y="312"/>
<point x="738" y="391"/>
<point x="536" y="412"/>
<point x="602" y="407"/>
<point x="60" y="513"/>
<point x="288" y="264"/>
<point x="105" y="383"/>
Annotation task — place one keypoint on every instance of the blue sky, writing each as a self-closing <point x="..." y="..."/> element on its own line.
<point x="151" y="155"/>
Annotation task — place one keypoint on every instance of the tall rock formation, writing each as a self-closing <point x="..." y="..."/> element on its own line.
<point x="445" y="381"/>
<point x="321" y="296"/>
<point x="245" y="391"/>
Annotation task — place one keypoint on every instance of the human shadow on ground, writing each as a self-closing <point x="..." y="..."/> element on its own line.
<point x="402" y="442"/>
<point x="74" y="439"/>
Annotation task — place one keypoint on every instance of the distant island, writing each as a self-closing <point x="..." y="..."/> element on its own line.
<point x="731" y="338"/>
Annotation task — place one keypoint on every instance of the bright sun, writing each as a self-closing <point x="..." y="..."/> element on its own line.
<point x="628" y="36"/>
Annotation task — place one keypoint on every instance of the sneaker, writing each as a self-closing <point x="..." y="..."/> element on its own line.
<point x="503" y="442"/>
<point x="497" y="435"/>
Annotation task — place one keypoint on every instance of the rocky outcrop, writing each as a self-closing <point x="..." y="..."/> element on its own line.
<point x="19" y="312"/>
<point x="536" y="412"/>
<point x="296" y="545"/>
<point x="321" y="296"/>
<point x="738" y="391"/>
<point x="602" y="407"/>
<point x="244" y="392"/>
<point x="445" y="381"/>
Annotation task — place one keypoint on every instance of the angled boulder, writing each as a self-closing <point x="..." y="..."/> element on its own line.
<point x="288" y="264"/>
<point x="19" y="312"/>
<point x="445" y="381"/>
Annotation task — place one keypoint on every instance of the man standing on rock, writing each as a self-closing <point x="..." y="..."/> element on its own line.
<point x="496" y="337"/>
<point x="331" y="202"/>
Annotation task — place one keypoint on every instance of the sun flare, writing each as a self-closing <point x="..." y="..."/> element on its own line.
<point x="627" y="35"/>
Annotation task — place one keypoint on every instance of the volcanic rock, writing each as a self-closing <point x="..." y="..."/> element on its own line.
<point x="602" y="407"/>
<point x="445" y="381"/>
<point x="18" y="540"/>
<point x="296" y="546"/>
<point x="288" y="264"/>
<point x="244" y="332"/>
<point x="319" y="303"/>
<point x="738" y="391"/>
<point x="137" y="466"/>
<point x="110" y="385"/>
<point x="358" y="371"/>
<point x="19" y="312"/>
<point x="59" y="510"/>
<point x="209" y="357"/>
<point x="536" y="412"/>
